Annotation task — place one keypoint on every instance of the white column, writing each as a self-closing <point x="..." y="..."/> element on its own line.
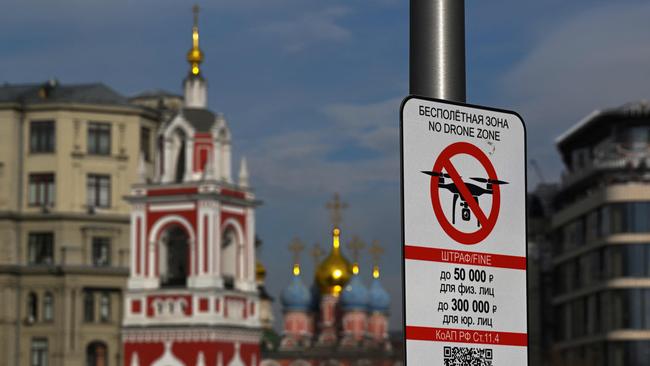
<point x="250" y="231"/>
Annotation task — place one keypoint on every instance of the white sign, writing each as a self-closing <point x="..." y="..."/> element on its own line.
<point x="464" y="234"/>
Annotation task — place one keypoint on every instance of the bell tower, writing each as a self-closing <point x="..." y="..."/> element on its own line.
<point x="191" y="296"/>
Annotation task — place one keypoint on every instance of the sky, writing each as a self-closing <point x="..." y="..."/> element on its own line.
<point x="311" y="89"/>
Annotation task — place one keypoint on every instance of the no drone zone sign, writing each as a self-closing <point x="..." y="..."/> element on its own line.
<point x="464" y="234"/>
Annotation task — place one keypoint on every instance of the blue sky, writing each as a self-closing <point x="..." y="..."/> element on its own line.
<point x="311" y="89"/>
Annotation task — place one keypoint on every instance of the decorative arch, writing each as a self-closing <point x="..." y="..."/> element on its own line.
<point x="154" y="240"/>
<point x="177" y="150"/>
<point x="236" y="254"/>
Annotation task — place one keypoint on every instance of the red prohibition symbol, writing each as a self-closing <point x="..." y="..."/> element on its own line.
<point x="487" y="222"/>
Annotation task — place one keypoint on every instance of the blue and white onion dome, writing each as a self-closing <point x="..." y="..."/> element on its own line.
<point x="378" y="298"/>
<point x="354" y="295"/>
<point x="296" y="296"/>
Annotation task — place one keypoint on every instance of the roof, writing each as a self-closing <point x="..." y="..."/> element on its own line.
<point x="55" y="92"/>
<point x="155" y="93"/>
<point x="639" y="109"/>
<point x="201" y="119"/>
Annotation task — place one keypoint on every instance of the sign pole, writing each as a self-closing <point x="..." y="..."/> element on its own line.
<point x="437" y="49"/>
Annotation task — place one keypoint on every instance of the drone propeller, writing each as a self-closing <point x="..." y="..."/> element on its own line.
<point x="436" y="174"/>
<point x="489" y="181"/>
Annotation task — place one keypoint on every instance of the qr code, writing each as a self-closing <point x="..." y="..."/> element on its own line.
<point x="465" y="356"/>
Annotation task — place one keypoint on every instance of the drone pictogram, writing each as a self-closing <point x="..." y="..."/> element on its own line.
<point x="475" y="190"/>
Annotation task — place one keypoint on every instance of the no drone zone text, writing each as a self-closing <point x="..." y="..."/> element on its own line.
<point x="489" y="129"/>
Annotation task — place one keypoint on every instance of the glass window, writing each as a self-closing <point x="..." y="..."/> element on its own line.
<point x="591" y="231"/>
<point x="635" y="137"/>
<point x="32" y="307"/>
<point x="145" y="143"/>
<point x="99" y="190"/>
<point x="39" y="356"/>
<point x="105" y="307"/>
<point x="96" y="354"/>
<point x="41" y="136"/>
<point x="99" y="138"/>
<point x="48" y="306"/>
<point x="89" y="307"/>
<point x="101" y="251"/>
<point x="41" y="248"/>
<point x="604" y="219"/>
<point x="41" y="189"/>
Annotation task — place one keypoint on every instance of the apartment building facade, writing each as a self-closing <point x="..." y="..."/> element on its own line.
<point x="599" y="240"/>
<point x="68" y="155"/>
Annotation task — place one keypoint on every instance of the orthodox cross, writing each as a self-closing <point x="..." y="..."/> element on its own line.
<point x="296" y="247"/>
<point x="376" y="251"/>
<point x="356" y="245"/>
<point x="316" y="253"/>
<point x="195" y="10"/>
<point x="336" y="207"/>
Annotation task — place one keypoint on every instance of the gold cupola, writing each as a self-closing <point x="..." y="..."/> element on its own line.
<point x="195" y="55"/>
<point x="335" y="271"/>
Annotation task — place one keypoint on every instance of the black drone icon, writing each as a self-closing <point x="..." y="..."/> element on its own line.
<point x="474" y="190"/>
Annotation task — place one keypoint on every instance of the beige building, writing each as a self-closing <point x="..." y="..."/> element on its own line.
<point x="68" y="154"/>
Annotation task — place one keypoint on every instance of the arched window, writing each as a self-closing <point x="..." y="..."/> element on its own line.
<point x="32" y="307"/>
<point x="229" y="255"/>
<point x="174" y="258"/>
<point x="48" y="307"/>
<point x="97" y="354"/>
<point x="105" y="307"/>
<point x="177" y="152"/>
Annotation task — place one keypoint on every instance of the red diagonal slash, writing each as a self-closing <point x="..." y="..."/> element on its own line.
<point x="487" y="221"/>
<point x="464" y="192"/>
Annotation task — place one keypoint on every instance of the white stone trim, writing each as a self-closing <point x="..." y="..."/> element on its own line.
<point x="158" y="207"/>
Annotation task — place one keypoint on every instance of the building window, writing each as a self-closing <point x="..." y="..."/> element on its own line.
<point x="99" y="138"/>
<point x="96" y="354"/>
<point x="41" y="137"/>
<point x="105" y="307"/>
<point x="145" y="143"/>
<point x="39" y="352"/>
<point x="48" y="307"/>
<point x="41" y="189"/>
<point x="99" y="190"/>
<point x="89" y="307"/>
<point x="101" y="251"/>
<point x="41" y="248"/>
<point x="32" y="307"/>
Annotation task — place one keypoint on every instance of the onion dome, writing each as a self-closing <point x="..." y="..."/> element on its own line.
<point x="296" y="296"/>
<point x="378" y="298"/>
<point x="354" y="295"/>
<point x="335" y="271"/>
<point x="260" y="272"/>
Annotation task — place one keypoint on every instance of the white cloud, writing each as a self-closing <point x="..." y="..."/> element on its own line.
<point x="373" y="125"/>
<point x="595" y="60"/>
<point x="302" y="162"/>
<point x="309" y="28"/>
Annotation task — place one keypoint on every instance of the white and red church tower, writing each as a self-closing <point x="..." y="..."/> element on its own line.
<point x="191" y="297"/>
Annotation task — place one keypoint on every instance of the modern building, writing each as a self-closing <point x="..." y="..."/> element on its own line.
<point x="540" y="280"/>
<point x="600" y="241"/>
<point x="68" y="153"/>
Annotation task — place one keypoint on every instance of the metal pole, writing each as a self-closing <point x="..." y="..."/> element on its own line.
<point x="437" y="49"/>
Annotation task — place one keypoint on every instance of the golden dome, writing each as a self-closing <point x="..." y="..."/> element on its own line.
<point x="195" y="55"/>
<point x="335" y="271"/>
<point x="260" y="272"/>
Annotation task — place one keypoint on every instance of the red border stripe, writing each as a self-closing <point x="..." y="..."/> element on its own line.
<point x="462" y="257"/>
<point x="466" y="336"/>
